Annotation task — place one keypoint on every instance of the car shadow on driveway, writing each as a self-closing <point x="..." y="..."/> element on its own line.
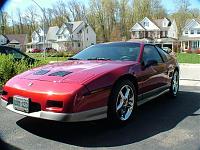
<point x="159" y="115"/>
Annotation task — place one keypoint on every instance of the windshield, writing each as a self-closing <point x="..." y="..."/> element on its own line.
<point x="111" y="51"/>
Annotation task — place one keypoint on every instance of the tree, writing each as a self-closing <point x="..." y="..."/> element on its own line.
<point x="77" y="10"/>
<point x="182" y="14"/>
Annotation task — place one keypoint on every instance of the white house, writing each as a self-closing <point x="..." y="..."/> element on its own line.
<point x="75" y="36"/>
<point x="190" y="39"/>
<point x="38" y="38"/>
<point x="51" y="37"/>
<point x="159" y="31"/>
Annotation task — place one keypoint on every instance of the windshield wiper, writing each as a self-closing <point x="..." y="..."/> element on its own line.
<point x="71" y="58"/>
<point x="98" y="58"/>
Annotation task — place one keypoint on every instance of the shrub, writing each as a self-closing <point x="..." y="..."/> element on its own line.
<point x="7" y="68"/>
<point x="10" y="68"/>
<point x="197" y="51"/>
<point x="188" y="51"/>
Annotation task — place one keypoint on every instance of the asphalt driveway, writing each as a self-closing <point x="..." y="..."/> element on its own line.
<point x="163" y="123"/>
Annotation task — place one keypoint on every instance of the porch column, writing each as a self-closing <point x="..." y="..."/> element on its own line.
<point x="181" y="46"/>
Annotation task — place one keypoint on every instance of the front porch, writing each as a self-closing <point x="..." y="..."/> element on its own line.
<point x="40" y="45"/>
<point x="190" y="43"/>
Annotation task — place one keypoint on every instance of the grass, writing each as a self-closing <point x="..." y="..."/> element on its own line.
<point x="188" y="58"/>
<point x="40" y="56"/>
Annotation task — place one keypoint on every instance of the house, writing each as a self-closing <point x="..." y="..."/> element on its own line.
<point x="38" y="39"/>
<point x="159" y="31"/>
<point x="75" y="36"/>
<point x="51" y="37"/>
<point x="14" y="40"/>
<point x="3" y="39"/>
<point x="190" y="39"/>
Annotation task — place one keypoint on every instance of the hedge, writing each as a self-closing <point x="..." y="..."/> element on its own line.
<point x="10" y="68"/>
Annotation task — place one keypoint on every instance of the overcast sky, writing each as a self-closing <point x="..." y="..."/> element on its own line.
<point x="12" y="5"/>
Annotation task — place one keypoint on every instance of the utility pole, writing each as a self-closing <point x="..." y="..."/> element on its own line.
<point x="43" y="12"/>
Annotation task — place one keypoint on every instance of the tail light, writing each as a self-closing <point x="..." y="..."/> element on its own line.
<point x="55" y="106"/>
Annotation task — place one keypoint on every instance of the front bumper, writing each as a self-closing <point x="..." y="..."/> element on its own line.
<point x="93" y="114"/>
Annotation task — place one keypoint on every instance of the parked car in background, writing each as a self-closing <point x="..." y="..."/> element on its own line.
<point x="103" y="81"/>
<point x="35" y="50"/>
<point x="17" y="54"/>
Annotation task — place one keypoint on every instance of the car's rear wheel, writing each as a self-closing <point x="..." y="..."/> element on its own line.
<point x="123" y="102"/>
<point x="174" y="88"/>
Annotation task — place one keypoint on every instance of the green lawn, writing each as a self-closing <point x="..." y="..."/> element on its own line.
<point x="188" y="58"/>
<point x="40" y="56"/>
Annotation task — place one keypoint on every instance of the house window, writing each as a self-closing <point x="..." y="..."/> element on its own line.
<point x="79" y="44"/>
<point x="163" y="33"/>
<point x="198" y="31"/>
<point x="192" y="31"/>
<point x="87" y="39"/>
<point x="146" y="24"/>
<point x="72" y="44"/>
<point x="87" y="30"/>
<point x="59" y="37"/>
<point x="186" y="31"/>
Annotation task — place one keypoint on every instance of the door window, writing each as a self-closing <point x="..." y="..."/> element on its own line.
<point x="151" y="53"/>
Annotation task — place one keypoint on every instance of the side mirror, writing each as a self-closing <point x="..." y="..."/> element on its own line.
<point x="151" y="63"/>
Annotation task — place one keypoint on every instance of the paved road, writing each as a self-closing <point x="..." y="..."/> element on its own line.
<point x="162" y="124"/>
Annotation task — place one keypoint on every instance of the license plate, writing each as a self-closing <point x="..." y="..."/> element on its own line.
<point x="21" y="103"/>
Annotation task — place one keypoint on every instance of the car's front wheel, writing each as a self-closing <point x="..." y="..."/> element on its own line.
<point x="174" y="88"/>
<point x="122" y="104"/>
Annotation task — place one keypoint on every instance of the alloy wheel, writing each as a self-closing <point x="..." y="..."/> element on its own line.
<point x="125" y="102"/>
<point x="175" y="83"/>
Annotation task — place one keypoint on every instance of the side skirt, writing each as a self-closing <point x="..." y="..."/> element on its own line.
<point x="142" y="101"/>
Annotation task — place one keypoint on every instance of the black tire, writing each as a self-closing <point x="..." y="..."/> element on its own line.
<point x="172" y="91"/>
<point x="113" y="113"/>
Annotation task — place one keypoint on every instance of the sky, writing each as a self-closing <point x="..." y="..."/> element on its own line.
<point x="11" y="6"/>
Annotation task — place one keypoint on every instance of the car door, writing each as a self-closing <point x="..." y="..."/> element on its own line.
<point x="169" y="65"/>
<point x="153" y="68"/>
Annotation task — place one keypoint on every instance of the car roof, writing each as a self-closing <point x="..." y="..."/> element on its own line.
<point x="118" y="43"/>
<point x="126" y="43"/>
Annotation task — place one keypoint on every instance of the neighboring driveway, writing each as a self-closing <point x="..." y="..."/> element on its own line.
<point x="190" y="74"/>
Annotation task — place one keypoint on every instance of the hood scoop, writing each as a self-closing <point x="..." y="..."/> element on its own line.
<point x="60" y="73"/>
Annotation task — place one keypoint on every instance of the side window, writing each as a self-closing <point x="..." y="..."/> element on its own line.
<point x="15" y="53"/>
<point x="151" y="53"/>
<point x="164" y="54"/>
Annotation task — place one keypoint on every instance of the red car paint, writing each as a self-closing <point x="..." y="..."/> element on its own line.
<point x="88" y="86"/>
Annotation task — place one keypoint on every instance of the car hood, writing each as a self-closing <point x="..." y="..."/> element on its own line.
<point x="73" y="71"/>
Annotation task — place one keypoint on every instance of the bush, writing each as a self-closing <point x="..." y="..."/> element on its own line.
<point x="7" y="68"/>
<point x="197" y="51"/>
<point x="188" y="51"/>
<point x="10" y="68"/>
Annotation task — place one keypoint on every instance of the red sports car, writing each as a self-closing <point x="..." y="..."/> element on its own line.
<point x="103" y="81"/>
